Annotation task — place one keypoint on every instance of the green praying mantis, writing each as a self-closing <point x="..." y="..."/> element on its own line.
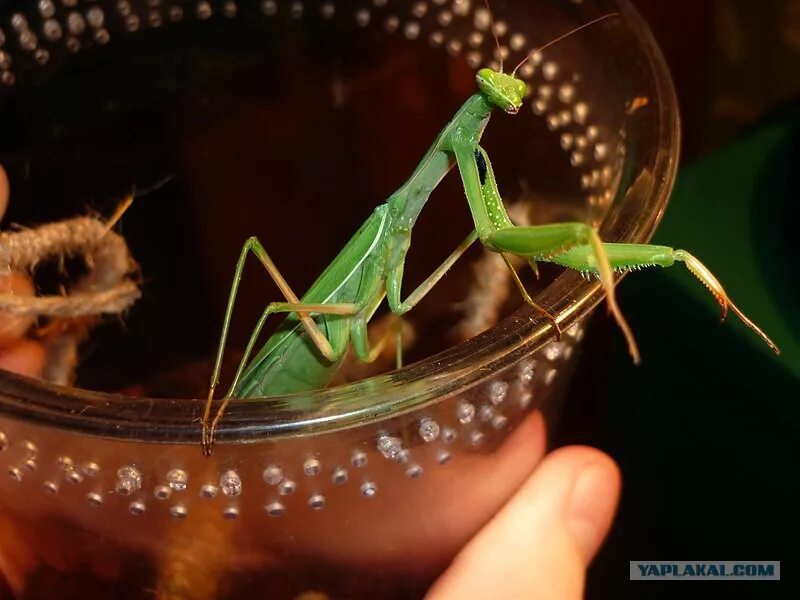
<point x="334" y="313"/>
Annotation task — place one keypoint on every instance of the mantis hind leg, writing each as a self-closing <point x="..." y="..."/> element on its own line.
<point x="209" y="425"/>
<point x="359" y="339"/>
<point x="254" y="246"/>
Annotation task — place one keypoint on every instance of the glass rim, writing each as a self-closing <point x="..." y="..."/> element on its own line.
<point x="569" y="297"/>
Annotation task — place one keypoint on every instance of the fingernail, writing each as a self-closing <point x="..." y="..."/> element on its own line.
<point x="590" y="505"/>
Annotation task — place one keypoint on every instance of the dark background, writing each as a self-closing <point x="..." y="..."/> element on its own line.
<point x="707" y="437"/>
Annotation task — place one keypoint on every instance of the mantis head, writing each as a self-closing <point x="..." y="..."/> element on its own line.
<point x="502" y="90"/>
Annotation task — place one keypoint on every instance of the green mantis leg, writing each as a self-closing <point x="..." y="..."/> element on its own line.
<point x="254" y="245"/>
<point x="394" y="279"/>
<point x="360" y="339"/>
<point x="347" y="310"/>
<point x="577" y="246"/>
<point x="275" y="307"/>
<point x="538" y="242"/>
<point x="526" y="296"/>
<point x="394" y="285"/>
<point x="626" y="257"/>
<point x="359" y="334"/>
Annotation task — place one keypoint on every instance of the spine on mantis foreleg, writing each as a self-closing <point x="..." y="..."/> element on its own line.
<point x="621" y="257"/>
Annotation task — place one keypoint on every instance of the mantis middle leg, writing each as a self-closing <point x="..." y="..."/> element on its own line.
<point x="394" y="279"/>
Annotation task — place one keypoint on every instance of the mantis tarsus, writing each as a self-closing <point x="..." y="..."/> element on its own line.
<point x="308" y="348"/>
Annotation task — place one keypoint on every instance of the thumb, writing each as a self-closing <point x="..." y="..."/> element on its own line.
<point x="541" y="542"/>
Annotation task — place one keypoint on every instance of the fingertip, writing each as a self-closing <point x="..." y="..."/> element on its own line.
<point x="593" y="503"/>
<point x="580" y="486"/>
<point x="540" y="543"/>
<point x="5" y="192"/>
<point x="26" y="357"/>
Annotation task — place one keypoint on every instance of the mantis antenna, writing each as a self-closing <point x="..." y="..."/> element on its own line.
<point x="494" y="33"/>
<point x="120" y="210"/>
<point x="128" y="200"/>
<point x="561" y="37"/>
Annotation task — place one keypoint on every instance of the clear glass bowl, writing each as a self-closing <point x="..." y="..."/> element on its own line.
<point x="261" y="110"/>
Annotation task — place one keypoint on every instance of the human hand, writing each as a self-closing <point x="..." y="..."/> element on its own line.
<point x="541" y="542"/>
<point x="17" y="353"/>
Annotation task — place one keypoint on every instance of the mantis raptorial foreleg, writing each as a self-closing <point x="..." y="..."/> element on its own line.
<point x="543" y="242"/>
<point x="576" y="245"/>
<point x="624" y="257"/>
<point x="498" y="233"/>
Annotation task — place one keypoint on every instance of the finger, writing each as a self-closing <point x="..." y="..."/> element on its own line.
<point x="5" y="192"/>
<point x="12" y="327"/>
<point x="540" y="544"/>
<point x="26" y="357"/>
